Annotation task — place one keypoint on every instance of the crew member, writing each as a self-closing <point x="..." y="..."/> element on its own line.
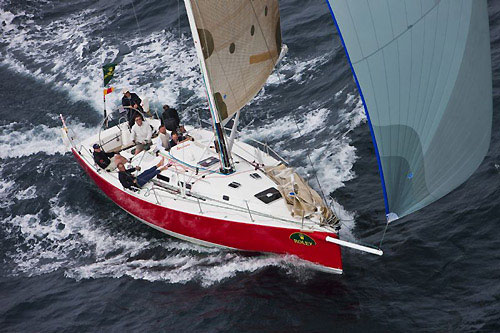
<point x="107" y="161"/>
<point x="141" y="134"/>
<point x="161" y="141"/>
<point x="177" y="138"/>
<point x="128" y="180"/>
<point x="133" y="103"/>
<point x="170" y="118"/>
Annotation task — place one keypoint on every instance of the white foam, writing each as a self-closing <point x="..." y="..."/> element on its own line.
<point x="38" y="139"/>
<point x="298" y="70"/>
<point x="26" y="194"/>
<point x="68" y="63"/>
<point x="83" y="249"/>
<point x="178" y="268"/>
<point x="6" y="18"/>
<point x="333" y="158"/>
<point x="6" y="187"/>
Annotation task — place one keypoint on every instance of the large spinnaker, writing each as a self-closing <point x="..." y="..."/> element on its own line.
<point x="424" y="72"/>
<point x="241" y="42"/>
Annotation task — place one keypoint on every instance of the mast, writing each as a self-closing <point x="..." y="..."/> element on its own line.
<point x="226" y="165"/>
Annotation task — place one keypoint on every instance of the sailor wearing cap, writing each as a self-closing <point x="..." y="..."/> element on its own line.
<point x="107" y="161"/>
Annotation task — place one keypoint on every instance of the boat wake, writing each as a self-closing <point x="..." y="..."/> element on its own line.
<point x="18" y="140"/>
<point x="84" y="248"/>
<point x="160" y="57"/>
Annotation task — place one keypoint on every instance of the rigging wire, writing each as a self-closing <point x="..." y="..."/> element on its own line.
<point x="180" y="36"/>
<point x="136" y="20"/>
<point x="180" y="93"/>
<point x="383" y="235"/>
<point x="295" y="121"/>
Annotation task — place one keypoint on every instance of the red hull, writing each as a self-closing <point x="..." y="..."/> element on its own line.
<point x="237" y="235"/>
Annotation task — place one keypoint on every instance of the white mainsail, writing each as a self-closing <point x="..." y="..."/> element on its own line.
<point x="241" y="43"/>
<point x="423" y="69"/>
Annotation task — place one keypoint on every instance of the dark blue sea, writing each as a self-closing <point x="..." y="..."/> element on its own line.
<point x="72" y="261"/>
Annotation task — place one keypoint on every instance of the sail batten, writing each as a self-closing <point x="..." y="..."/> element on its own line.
<point x="423" y="69"/>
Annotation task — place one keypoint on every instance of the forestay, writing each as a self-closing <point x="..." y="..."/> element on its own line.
<point x="241" y="43"/>
<point x="423" y="69"/>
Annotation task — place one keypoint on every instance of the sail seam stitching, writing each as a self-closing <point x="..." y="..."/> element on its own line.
<point x="399" y="35"/>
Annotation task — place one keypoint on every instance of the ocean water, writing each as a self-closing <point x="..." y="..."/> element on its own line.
<point x="72" y="261"/>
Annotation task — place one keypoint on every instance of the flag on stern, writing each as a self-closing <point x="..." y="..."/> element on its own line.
<point x="108" y="71"/>
<point x="108" y="90"/>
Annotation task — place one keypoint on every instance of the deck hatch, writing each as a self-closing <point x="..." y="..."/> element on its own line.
<point x="269" y="195"/>
<point x="208" y="162"/>
<point x="234" y="185"/>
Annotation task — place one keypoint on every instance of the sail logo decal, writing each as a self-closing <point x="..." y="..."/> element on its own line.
<point x="302" y="239"/>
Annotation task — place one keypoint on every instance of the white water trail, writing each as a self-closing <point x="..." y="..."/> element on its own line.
<point x="16" y="141"/>
<point x="78" y="245"/>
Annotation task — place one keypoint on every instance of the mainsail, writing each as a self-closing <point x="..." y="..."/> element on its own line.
<point x="241" y="43"/>
<point x="423" y="69"/>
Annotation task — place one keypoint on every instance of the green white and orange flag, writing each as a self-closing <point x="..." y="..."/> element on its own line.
<point x="108" y="90"/>
<point x="108" y="71"/>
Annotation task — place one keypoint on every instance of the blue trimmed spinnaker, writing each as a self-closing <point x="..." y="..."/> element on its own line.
<point x="423" y="69"/>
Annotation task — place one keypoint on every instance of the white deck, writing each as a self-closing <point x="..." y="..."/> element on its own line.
<point x="208" y="186"/>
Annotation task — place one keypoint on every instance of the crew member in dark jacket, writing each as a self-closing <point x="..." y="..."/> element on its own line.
<point x="107" y="161"/>
<point x="170" y="118"/>
<point x="177" y="138"/>
<point x="101" y="157"/>
<point x="128" y="180"/>
<point x="131" y="101"/>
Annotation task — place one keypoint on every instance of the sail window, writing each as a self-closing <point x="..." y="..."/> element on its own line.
<point x="252" y="30"/>
<point x="232" y="47"/>
<point x="234" y="185"/>
<point x="269" y="195"/>
<point x="255" y="175"/>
